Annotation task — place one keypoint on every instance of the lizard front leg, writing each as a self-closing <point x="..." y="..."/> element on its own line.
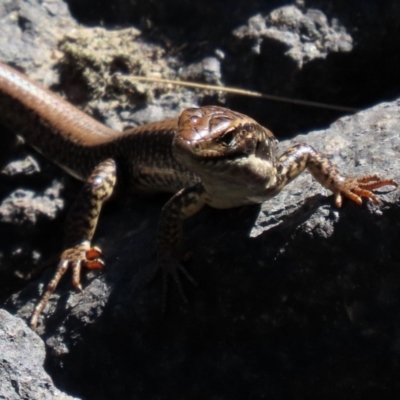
<point x="293" y="162"/>
<point x="79" y="230"/>
<point x="182" y="205"/>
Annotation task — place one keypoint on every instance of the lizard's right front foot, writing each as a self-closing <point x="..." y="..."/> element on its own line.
<point x="76" y="257"/>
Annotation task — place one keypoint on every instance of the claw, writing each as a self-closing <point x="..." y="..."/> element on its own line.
<point x="93" y="253"/>
<point x="94" y="264"/>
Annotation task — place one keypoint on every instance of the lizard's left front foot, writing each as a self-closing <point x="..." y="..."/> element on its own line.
<point x="170" y="267"/>
<point x="357" y="188"/>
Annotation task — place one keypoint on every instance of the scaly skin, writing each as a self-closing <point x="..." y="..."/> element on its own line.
<point x="209" y="156"/>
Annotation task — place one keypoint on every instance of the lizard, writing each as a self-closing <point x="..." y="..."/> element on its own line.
<point x="209" y="155"/>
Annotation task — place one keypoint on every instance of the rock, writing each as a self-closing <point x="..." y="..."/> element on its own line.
<point x="301" y="283"/>
<point x="21" y="363"/>
<point x="294" y="296"/>
<point x="207" y="70"/>
<point x="30" y="31"/>
<point x="29" y="34"/>
<point x="305" y="36"/>
<point x="26" y="206"/>
<point x="26" y="166"/>
<point x="271" y="46"/>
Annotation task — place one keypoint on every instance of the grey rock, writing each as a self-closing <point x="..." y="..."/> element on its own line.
<point x="296" y="276"/>
<point x="22" y="355"/>
<point x="206" y="71"/>
<point x="29" y="34"/>
<point x="26" y="166"/>
<point x="25" y="206"/>
<point x="294" y="297"/>
<point x="306" y="36"/>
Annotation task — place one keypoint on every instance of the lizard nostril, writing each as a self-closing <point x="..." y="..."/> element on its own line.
<point x="196" y="147"/>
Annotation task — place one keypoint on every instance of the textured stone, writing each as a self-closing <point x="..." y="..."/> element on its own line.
<point x="22" y="354"/>
<point x="295" y="298"/>
<point x="295" y="281"/>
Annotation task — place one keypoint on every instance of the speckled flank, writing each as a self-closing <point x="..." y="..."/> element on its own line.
<point x="149" y="165"/>
<point x="78" y="143"/>
<point x="210" y="155"/>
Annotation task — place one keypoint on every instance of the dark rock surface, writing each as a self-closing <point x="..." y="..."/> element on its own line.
<point x="29" y="33"/>
<point x="22" y="374"/>
<point x="360" y="78"/>
<point x="296" y="299"/>
<point x="306" y="36"/>
<point x="304" y="298"/>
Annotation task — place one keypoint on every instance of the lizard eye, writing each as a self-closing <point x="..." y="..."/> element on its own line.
<point x="227" y="137"/>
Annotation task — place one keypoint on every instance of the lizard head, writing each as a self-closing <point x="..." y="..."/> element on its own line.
<point x="215" y="137"/>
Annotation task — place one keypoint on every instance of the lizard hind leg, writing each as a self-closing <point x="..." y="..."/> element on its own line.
<point x="79" y="230"/>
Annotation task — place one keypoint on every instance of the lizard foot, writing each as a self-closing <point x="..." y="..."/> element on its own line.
<point x="357" y="188"/>
<point x="170" y="267"/>
<point x="81" y="255"/>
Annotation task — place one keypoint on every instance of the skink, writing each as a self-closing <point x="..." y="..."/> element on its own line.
<point x="208" y="156"/>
